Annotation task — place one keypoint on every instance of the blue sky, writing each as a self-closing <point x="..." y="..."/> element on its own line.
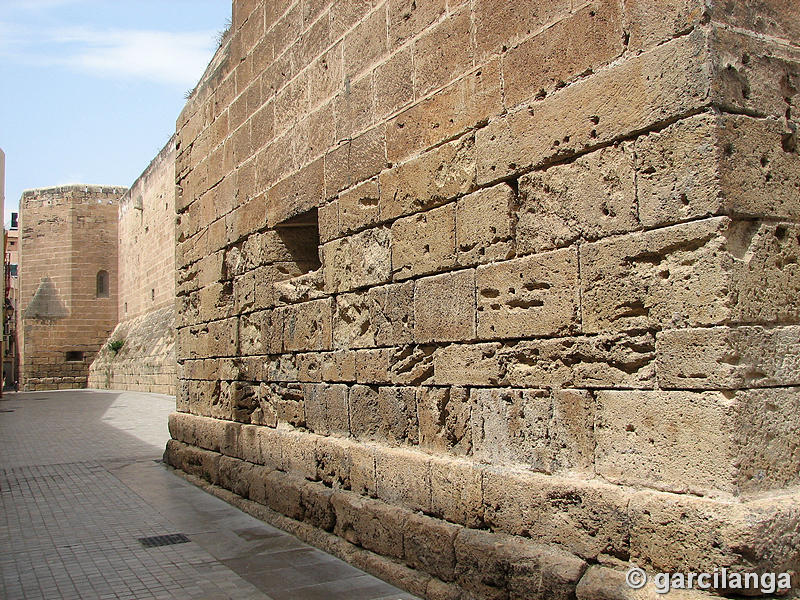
<point x="90" y="89"/>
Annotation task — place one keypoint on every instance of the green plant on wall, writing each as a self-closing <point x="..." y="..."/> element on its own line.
<point x="116" y="345"/>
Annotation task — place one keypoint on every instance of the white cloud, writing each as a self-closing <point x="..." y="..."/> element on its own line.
<point x="172" y="58"/>
<point x="159" y="56"/>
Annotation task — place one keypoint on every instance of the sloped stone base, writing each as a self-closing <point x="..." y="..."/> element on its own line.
<point x="506" y="534"/>
<point x="146" y="360"/>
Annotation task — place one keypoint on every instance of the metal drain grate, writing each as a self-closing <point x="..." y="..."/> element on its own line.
<point x="163" y="540"/>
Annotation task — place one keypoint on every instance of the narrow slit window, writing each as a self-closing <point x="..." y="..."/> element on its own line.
<point x="102" y="284"/>
<point x="300" y="234"/>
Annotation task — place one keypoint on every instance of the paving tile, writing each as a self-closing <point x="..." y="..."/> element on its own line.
<point x="80" y="482"/>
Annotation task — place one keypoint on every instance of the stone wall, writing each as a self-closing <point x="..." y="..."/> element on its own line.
<point x="496" y="299"/>
<point x="68" y="235"/>
<point x="146" y="360"/>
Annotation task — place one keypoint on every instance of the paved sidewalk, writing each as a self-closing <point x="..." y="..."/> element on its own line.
<point x="80" y="484"/>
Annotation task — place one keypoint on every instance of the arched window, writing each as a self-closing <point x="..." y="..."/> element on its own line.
<point x="102" y="284"/>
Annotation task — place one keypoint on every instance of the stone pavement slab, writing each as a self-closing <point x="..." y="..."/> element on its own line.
<point x="81" y="482"/>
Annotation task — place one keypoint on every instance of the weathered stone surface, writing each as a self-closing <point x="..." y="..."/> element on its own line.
<point x="484" y="225"/>
<point x="587" y="361"/>
<point x="488" y="564"/>
<point x="589" y="518"/>
<point x="428" y="545"/>
<point x="326" y="408"/>
<point x="397" y="407"/>
<point x="709" y="165"/>
<point x="407" y="20"/>
<point x="766" y="275"/>
<point x="394" y="83"/>
<point x="403" y="478"/>
<point x="424" y="243"/>
<point x="589" y="198"/>
<point x="447" y="114"/>
<point x="307" y="326"/>
<point x="440" y="55"/>
<point x="500" y="24"/>
<point x="444" y="307"/>
<point x="669" y="80"/>
<point x="531" y="296"/>
<point x="650" y="22"/>
<point x="545" y="431"/>
<point x="467" y="364"/>
<point x="653" y="437"/>
<point x="444" y="416"/>
<point x="701" y="273"/>
<point x="380" y="316"/>
<point x="753" y="73"/>
<point x="358" y="260"/>
<point x="457" y="491"/>
<point x="728" y="357"/>
<point x="430" y="179"/>
<point x="365" y="422"/>
<point x="358" y="206"/>
<point x="411" y="364"/>
<point x="575" y="46"/>
<point x="369" y="523"/>
<point x="372" y="366"/>
<point x="296" y="194"/>
<point x="776" y="18"/>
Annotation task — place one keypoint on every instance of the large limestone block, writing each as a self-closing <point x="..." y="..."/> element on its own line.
<point x="588" y="518"/>
<point x="701" y="273"/>
<point x="753" y="74"/>
<point x="707" y="164"/>
<point x="440" y="54"/>
<point x="590" y="198"/>
<point x="777" y="18"/>
<point x="307" y="326"/>
<point x="531" y="296"/>
<point x="650" y="22"/>
<point x="579" y="44"/>
<point x="682" y="533"/>
<point x="296" y="194"/>
<point x="699" y="442"/>
<point x="444" y="418"/>
<point x="456" y="491"/>
<point x="604" y="360"/>
<point x="444" y="307"/>
<point x="403" y="478"/>
<point x="424" y="243"/>
<point x="484" y="225"/>
<point x="467" y="364"/>
<point x="261" y="332"/>
<point x="428" y="545"/>
<point x="494" y="565"/>
<point x="546" y="431"/>
<point x="604" y="583"/>
<point x="501" y="24"/>
<point x="728" y="357"/>
<point x="369" y="523"/>
<point x="326" y="408"/>
<point x="428" y="180"/>
<point x="358" y="260"/>
<point x="217" y="338"/>
<point x="447" y="114"/>
<point x="358" y="206"/>
<point x="377" y="317"/>
<point x="669" y="80"/>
